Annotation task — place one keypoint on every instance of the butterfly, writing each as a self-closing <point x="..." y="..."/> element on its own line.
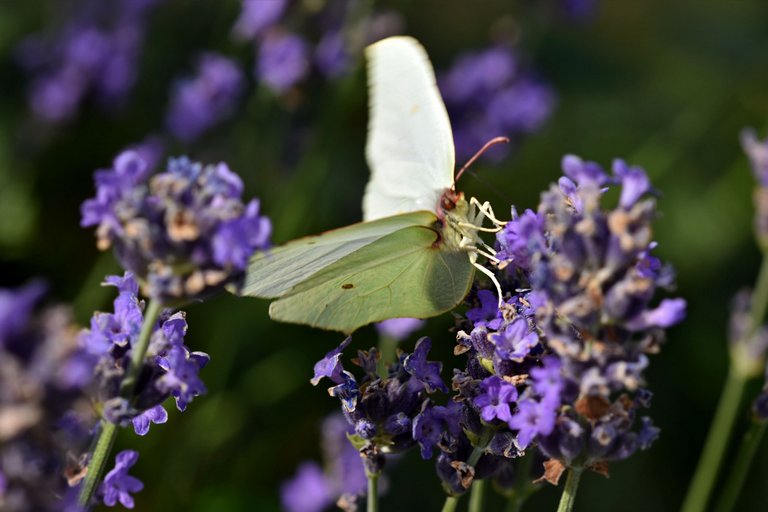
<point x="414" y="254"/>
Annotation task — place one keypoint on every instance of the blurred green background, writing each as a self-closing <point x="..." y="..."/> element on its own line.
<point x="665" y="85"/>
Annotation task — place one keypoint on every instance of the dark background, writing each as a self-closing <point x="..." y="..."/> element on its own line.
<point x="665" y="85"/>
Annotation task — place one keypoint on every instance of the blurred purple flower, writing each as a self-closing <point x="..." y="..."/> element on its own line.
<point x="283" y="60"/>
<point x="201" y="102"/>
<point x="91" y="49"/>
<point x="399" y="328"/>
<point x="256" y="16"/>
<point x="307" y="491"/>
<point x="489" y="94"/>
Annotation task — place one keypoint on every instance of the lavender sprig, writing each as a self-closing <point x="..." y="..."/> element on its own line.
<point x="748" y="345"/>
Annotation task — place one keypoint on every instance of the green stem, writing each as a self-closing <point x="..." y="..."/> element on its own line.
<point x="128" y="386"/>
<point x="717" y="441"/>
<point x="744" y="458"/>
<point x="450" y="503"/>
<point x="476" y="496"/>
<point x="742" y="368"/>
<point x="569" y="492"/>
<point x="109" y="430"/>
<point x="373" y="493"/>
<point x="98" y="462"/>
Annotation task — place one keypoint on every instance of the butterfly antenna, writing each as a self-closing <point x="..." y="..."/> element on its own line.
<point x="492" y="142"/>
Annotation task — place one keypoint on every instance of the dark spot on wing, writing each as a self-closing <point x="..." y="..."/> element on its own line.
<point x="348" y="286"/>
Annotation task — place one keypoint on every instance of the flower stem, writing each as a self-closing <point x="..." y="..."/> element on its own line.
<point x="108" y="431"/>
<point x="569" y="492"/>
<point x="717" y="441"/>
<point x="373" y="493"/>
<point x="128" y="386"/>
<point x="742" y="368"/>
<point x="476" y="496"/>
<point x="98" y="462"/>
<point x="450" y="503"/>
<point x="744" y="457"/>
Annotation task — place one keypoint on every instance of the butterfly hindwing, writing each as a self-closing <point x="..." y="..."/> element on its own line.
<point x="402" y="274"/>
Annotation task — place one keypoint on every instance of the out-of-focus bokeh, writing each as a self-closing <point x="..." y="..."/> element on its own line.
<point x="665" y="85"/>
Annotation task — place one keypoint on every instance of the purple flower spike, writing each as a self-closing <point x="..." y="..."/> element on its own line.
<point x="515" y="342"/>
<point x="16" y="306"/>
<point x="283" y="61"/>
<point x="426" y="372"/>
<point x="495" y="399"/>
<point x="308" y="491"/>
<point x="118" y="484"/>
<point x="757" y="152"/>
<point x="399" y="328"/>
<point x="256" y="16"/>
<point x="201" y="102"/>
<point x="330" y="366"/>
<point x="156" y="415"/>
<point x="531" y="419"/>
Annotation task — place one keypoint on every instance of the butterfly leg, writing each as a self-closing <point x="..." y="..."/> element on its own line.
<point x="473" y="260"/>
<point x="487" y="210"/>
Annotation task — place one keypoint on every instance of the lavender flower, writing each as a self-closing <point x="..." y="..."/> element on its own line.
<point x="489" y="93"/>
<point x="283" y="61"/>
<point x="399" y="328"/>
<point x="757" y="152"/>
<point x="170" y="368"/>
<point x="313" y="489"/>
<point x="210" y="97"/>
<point x="184" y="232"/>
<point x="93" y="51"/>
<point x="118" y="484"/>
<point x="256" y="16"/>
<point x="42" y="440"/>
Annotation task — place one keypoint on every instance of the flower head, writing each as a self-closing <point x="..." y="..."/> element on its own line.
<point x="203" y="101"/>
<point x="184" y="232"/>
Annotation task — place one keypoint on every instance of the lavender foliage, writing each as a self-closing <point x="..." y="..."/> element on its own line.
<point x="184" y="232"/>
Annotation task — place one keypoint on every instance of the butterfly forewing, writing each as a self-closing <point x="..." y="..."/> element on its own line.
<point x="410" y="145"/>
<point x="270" y="274"/>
